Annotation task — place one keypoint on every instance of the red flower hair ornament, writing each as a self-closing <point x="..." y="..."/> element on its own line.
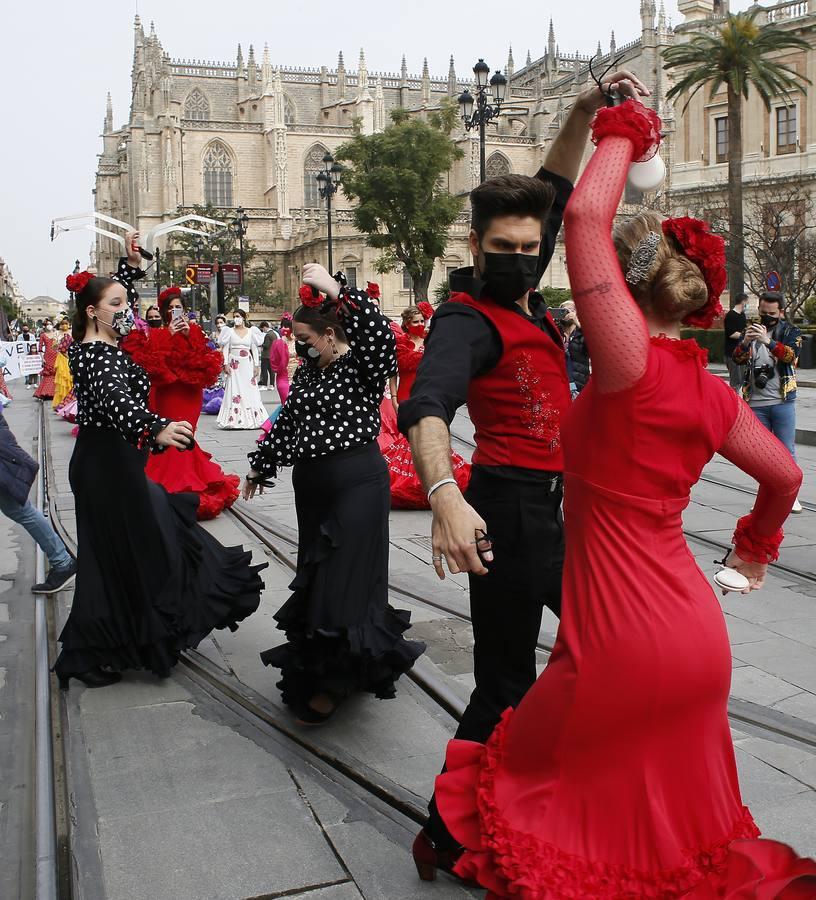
<point x="167" y="295"/>
<point x="373" y="290"/>
<point x="77" y="283"/>
<point x="707" y="251"/>
<point x="426" y="309"/>
<point x="309" y="296"/>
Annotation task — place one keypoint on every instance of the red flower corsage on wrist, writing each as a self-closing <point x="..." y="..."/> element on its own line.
<point x="754" y="547"/>
<point x="77" y="283"/>
<point x="707" y="251"/>
<point x="631" y="120"/>
<point x="373" y="290"/>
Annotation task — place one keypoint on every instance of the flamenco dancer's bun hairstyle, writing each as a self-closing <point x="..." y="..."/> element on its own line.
<point x="674" y="286"/>
<point x="87" y="290"/>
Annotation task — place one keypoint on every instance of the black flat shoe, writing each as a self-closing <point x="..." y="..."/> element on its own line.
<point x="93" y="678"/>
<point x="308" y="715"/>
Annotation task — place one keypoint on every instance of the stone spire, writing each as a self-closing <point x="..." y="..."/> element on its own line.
<point x="612" y="45"/>
<point x="510" y="68"/>
<point x="362" y="75"/>
<point x="529" y="61"/>
<point x="108" y="115"/>
<point x="138" y="32"/>
<point x="266" y="71"/>
<point x="451" y="79"/>
<point x="647" y="15"/>
<point x="661" y="19"/>
<point x="551" y="41"/>
<point x="239" y="63"/>
<point x="599" y="51"/>
<point x="426" y="82"/>
<point x="252" y="69"/>
<point x="341" y="76"/>
<point x="404" y="70"/>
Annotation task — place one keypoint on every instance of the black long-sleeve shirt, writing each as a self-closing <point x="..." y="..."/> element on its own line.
<point x="463" y="344"/>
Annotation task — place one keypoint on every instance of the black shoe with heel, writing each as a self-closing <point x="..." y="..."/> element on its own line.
<point x="93" y="678"/>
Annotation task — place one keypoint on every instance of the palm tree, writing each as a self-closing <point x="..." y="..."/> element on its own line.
<point x="736" y="53"/>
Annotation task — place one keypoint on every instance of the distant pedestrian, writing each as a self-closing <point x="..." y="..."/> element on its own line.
<point x="17" y="473"/>
<point x="575" y="348"/>
<point x="267" y="379"/>
<point x="733" y="329"/>
<point x="769" y="352"/>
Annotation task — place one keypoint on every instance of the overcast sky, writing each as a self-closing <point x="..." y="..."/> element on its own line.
<point x="57" y="61"/>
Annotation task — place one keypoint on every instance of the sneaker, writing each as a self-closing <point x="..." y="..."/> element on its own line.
<point x="797" y="506"/>
<point x="57" y="580"/>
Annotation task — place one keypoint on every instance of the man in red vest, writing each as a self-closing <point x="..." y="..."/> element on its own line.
<point x="495" y="347"/>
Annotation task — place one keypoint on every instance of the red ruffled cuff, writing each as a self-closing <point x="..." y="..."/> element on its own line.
<point x="630" y="120"/>
<point x="754" y="547"/>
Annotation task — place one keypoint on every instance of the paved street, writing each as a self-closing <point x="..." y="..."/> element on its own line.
<point x="176" y="794"/>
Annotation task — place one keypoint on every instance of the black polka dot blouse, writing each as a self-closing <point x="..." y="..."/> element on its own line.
<point x="112" y="392"/>
<point x="337" y="407"/>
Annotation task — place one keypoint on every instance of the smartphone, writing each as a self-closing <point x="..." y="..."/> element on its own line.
<point x="557" y="312"/>
<point x="176" y="314"/>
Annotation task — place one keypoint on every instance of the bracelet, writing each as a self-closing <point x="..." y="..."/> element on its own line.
<point x="435" y="487"/>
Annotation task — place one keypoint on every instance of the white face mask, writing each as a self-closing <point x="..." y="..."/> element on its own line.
<point x="238" y="321"/>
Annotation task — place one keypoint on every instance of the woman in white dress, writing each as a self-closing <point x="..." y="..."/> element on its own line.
<point x="242" y="406"/>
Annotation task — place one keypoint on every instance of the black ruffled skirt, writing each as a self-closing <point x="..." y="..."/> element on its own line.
<point x="342" y="634"/>
<point x="151" y="581"/>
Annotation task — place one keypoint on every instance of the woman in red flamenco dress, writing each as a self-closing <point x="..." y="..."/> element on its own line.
<point x="615" y="777"/>
<point x="47" y="345"/>
<point x="406" y="488"/>
<point x="180" y="365"/>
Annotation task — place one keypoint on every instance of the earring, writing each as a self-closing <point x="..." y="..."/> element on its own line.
<point x="334" y="348"/>
<point x="96" y="324"/>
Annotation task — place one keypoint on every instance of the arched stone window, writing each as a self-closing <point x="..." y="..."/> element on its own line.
<point x="218" y="173"/>
<point x="497" y="164"/>
<point x="196" y="106"/>
<point x="312" y="164"/>
<point x="288" y="112"/>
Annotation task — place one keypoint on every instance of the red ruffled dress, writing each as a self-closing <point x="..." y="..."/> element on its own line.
<point x="180" y="367"/>
<point x="406" y="488"/>
<point x="48" y="347"/>
<point x="615" y="777"/>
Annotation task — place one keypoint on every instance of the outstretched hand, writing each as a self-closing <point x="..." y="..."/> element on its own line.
<point x="623" y="81"/>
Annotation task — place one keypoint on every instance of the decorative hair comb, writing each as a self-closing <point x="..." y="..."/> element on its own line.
<point x="643" y="257"/>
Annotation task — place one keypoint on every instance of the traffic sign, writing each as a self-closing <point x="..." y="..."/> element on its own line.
<point x="191" y="274"/>
<point x="232" y="274"/>
<point x="205" y="273"/>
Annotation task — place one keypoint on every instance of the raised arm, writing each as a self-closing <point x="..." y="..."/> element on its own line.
<point x="369" y="335"/>
<point x="759" y="454"/>
<point x="611" y="320"/>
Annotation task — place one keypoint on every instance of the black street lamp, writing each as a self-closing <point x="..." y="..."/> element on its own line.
<point x="328" y="181"/>
<point x="239" y="228"/>
<point x="487" y="107"/>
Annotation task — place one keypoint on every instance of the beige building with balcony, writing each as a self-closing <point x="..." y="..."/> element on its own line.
<point x="253" y="133"/>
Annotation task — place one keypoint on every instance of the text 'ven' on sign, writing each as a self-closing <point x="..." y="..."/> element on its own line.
<point x="233" y="275"/>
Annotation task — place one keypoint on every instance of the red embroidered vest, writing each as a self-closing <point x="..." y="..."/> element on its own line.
<point x="517" y="406"/>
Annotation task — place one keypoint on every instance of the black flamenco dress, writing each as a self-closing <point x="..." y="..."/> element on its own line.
<point x="342" y="634"/>
<point x="151" y="582"/>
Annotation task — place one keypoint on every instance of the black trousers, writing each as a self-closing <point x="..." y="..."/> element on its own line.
<point x="266" y="372"/>
<point x="525" y="524"/>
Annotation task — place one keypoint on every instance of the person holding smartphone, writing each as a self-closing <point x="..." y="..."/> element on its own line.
<point x="181" y="364"/>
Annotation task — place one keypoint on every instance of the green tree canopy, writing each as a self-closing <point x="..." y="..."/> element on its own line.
<point x="396" y="177"/>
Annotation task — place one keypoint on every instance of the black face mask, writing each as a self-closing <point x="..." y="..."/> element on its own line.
<point x="154" y="323"/>
<point x="509" y="276"/>
<point x="769" y="322"/>
<point x="308" y="352"/>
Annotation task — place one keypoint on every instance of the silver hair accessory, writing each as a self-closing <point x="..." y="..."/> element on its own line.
<point x="643" y="257"/>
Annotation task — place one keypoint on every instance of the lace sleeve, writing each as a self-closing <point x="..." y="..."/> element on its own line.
<point x="759" y="454"/>
<point x="611" y="320"/>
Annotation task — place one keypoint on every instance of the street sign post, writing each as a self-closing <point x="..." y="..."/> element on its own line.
<point x="233" y="274"/>
<point x="773" y="282"/>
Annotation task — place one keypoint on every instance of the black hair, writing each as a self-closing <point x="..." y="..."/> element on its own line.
<point x="740" y="298"/>
<point x="509" y="195"/>
<point x="90" y="295"/>
<point x="319" y="319"/>
<point x="773" y="297"/>
<point x="152" y="307"/>
<point x="262" y="324"/>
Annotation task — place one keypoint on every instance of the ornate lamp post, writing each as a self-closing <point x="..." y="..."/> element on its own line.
<point x="239" y="228"/>
<point x="490" y="94"/>
<point x="328" y="180"/>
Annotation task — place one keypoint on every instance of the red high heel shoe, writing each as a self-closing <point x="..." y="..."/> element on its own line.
<point x="428" y="859"/>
